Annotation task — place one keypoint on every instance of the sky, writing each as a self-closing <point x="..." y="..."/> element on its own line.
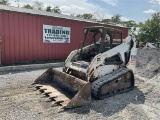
<point x="137" y="10"/>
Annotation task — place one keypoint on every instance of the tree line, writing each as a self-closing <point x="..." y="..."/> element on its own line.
<point x="114" y="20"/>
<point x="149" y="31"/>
<point x="37" y="5"/>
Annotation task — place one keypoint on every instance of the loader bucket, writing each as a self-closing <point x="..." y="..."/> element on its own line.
<point x="64" y="89"/>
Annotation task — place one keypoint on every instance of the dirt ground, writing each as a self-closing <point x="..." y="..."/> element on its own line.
<point x="19" y="101"/>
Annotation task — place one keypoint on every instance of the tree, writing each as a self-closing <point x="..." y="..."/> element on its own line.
<point x="49" y="9"/>
<point x="56" y="9"/>
<point x="130" y="23"/>
<point x="107" y="21"/>
<point x="4" y="2"/>
<point x="72" y="14"/>
<point x="85" y="16"/>
<point x="79" y="15"/>
<point x="28" y="6"/>
<point x="150" y="30"/>
<point x="116" y="19"/>
<point x="95" y="20"/>
<point x="140" y="24"/>
<point x="38" y="5"/>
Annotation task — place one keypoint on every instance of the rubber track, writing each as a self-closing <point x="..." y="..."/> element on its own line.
<point x="97" y="84"/>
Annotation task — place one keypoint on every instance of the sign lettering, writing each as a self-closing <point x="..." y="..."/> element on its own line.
<point x="56" y="34"/>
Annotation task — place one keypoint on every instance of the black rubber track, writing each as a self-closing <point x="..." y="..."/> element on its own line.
<point x="97" y="84"/>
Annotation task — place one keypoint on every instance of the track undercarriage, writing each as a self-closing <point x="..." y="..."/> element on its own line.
<point x="120" y="81"/>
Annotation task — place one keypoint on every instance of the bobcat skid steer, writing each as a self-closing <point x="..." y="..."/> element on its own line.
<point x="102" y="67"/>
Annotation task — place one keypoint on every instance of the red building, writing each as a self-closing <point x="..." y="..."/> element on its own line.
<point x="21" y="31"/>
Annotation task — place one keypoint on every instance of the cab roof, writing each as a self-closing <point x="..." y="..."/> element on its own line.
<point x="94" y="28"/>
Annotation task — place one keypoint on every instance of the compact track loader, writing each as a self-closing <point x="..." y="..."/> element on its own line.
<point x="103" y="66"/>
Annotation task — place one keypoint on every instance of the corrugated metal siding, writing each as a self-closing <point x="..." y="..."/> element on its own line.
<point x="22" y="36"/>
<point x="0" y="36"/>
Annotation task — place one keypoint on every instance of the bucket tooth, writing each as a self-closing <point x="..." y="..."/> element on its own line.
<point x="38" y="86"/>
<point x="52" y="97"/>
<point x="64" y="104"/>
<point x="46" y="93"/>
<point x="42" y="90"/>
<point x="61" y="97"/>
<point x="57" y="102"/>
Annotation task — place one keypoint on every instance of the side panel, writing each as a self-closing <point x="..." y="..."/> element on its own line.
<point x="30" y="36"/>
<point x="21" y="37"/>
<point x="26" y="38"/>
<point x="97" y="63"/>
<point x="16" y="38"/>
<point x="1" y="36"/>
<point x="6" y="38"/>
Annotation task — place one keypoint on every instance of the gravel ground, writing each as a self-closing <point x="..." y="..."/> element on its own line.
<point x="19" y="101"/>
<point x="148" y="62"/>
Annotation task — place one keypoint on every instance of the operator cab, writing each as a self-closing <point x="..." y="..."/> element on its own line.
<point x="97" y="40"/>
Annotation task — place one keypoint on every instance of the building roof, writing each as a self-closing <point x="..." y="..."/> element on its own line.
<point x="44" y="13"/>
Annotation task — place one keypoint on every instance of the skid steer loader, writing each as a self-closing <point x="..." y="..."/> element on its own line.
<point x="103" y="66"/>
